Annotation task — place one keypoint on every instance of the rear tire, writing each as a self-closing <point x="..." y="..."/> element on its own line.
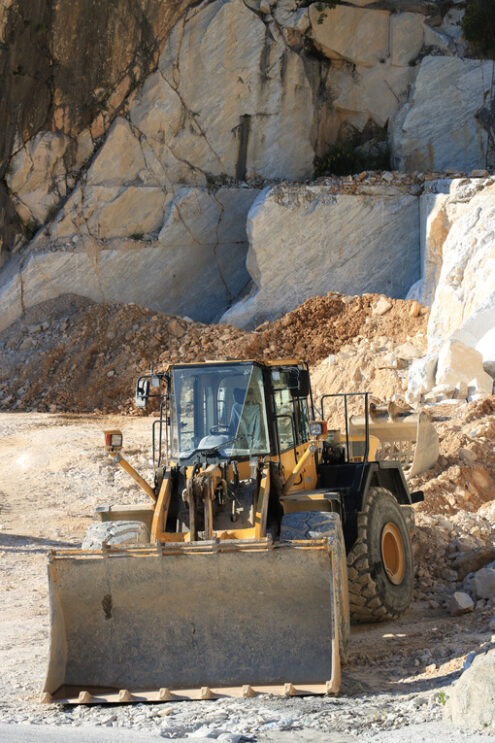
<point x="115" y="533"/>
<point x="315" y="525"/>
<point x="380" y="563"/>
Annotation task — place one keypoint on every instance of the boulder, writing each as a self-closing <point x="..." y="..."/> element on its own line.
<point x="460" y="603"/>
<point x="440" y="392"/>
<point x="469" y="562"/>
<point x="438" y="127"/>
<point x="484" y="583"/>
<point x="459" y="363"/>
<point x="306" y="240"/>
<point x="421" y="377"/>
<point x="471" y="700"/>
<point x="358" y="35"/>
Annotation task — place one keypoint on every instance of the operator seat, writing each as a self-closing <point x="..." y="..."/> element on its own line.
<point x="235" y="414"/>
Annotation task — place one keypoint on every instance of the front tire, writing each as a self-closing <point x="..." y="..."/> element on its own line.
<point x="314" y="525"/>
<point x="115" y="533"/>
<point x="380" y="563"/>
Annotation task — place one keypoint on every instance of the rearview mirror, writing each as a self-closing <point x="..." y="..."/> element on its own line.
<point x="142" y="392"/>
<point x="299" y="382"/>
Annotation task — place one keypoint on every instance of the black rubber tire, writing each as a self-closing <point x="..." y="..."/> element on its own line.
<point x="372" y="595"/>
<point x="116" y="533"/>
<point x="309" y="525"/>
<point x="314" y="525"/>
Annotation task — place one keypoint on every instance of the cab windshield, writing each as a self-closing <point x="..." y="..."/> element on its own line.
<point x="219" y="410"/>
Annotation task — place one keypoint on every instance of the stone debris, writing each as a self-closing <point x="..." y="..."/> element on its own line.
<point x="89" y="355"/>
<point x="471" y="702"/>
<point x="460" y="603"/>
<point x="484" y="583"/>
<point x="384" y="305"/>
<point x="457" y="364"/>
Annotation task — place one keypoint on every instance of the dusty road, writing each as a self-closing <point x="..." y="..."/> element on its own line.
<point x="54" y="472"/>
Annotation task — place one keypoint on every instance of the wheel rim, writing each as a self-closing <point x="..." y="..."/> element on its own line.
<point x="393" y="557"/>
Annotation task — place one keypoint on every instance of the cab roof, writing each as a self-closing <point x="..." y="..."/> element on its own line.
<point x="211" y="362"/>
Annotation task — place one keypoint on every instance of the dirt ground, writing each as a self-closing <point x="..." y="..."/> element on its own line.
<point x="54" y="472"/>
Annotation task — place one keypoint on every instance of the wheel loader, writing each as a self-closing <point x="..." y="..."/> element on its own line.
<point x="262" y="535"/>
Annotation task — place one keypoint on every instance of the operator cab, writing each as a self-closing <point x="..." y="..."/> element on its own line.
<point x="218" y="410"/>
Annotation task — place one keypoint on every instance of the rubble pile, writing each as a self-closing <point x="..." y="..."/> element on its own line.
<point x="71" y="354"/>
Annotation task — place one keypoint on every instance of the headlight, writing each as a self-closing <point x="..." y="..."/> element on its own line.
<point x="318" y="430"/>
<point x="113" y="439"/>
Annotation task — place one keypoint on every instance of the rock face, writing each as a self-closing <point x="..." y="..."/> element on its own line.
<point x="201" y="244"/>
<point x="305" y="240"/>
<point x="38" y="176"/>
<point x="458" y="234"/>
<point x="471" y="702"/>
<point x="66" y="69"/>
<point x="358" y="35"/>
<point x="145" y="100"/>
<point x="465" y="294"/>
<point x="440" y="126"/>
<point x="245" y="95"/>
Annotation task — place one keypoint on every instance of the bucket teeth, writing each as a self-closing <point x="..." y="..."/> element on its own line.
<point x="289" y="690"/>
<point x="331" y="688"/>
<point x="164" y="695"/>
<point x="248" y="691"/>
<point x="206" y="692"/>
<point x="125" y="695"/>
<point x="84" y="697"/>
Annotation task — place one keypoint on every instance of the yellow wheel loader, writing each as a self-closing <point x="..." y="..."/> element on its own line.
<point x="232" y="579"/>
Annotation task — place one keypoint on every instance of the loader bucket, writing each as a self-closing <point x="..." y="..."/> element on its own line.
<point x="406" y="437"/>
<point x="193" y="621"/>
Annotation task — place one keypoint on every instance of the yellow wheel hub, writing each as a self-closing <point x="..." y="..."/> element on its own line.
<point x="393" y="554"/>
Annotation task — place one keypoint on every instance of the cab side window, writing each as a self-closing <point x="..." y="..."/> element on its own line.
<point x="285" y="422"/>
<point x="292" y="413"/>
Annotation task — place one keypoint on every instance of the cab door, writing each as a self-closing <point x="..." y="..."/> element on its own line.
<point x="291" y="423"/>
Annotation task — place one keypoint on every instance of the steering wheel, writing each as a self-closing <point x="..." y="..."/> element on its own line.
<point x="220" y="429"/>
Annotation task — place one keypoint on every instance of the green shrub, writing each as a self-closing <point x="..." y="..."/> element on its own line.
<point x="478" y="26"/>
<point x="323" y="6"/>
<point x="30" y="228"/>
<point x="344" y="158"/>
<point x="340" y="159"/>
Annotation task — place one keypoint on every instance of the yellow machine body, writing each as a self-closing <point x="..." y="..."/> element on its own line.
<point x="224" y="606"/>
